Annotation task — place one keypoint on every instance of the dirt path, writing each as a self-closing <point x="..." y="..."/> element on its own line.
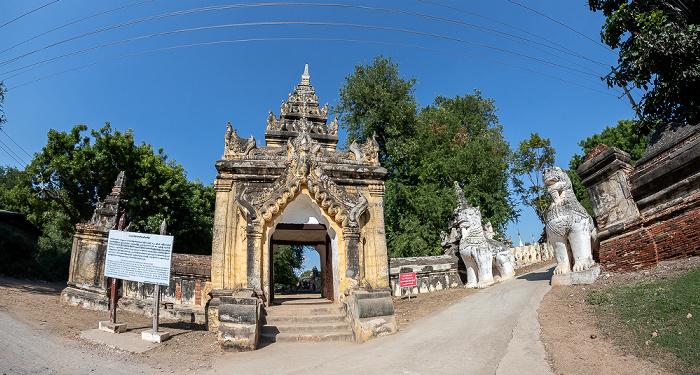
<point x="50" y="336"/>
<point x="573" y="341"/>
<point x="492" y="331"/>
<point x="27" y="350"/>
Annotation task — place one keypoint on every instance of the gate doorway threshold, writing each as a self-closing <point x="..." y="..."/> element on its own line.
<point x="301" y="299"/>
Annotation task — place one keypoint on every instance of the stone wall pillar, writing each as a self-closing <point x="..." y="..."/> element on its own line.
<point x="221" y="228"/>
<point x="605" y="175"/>
<point x="352" y="239"/>
<point x="381" y="258"/>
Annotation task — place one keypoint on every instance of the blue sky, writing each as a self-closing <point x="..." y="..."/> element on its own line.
<point x="243" y="61"/>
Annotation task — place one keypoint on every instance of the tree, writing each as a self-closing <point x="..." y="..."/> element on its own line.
<point x="450" y="142"/>
<point x="73" y="171"/>
<point x="623" y="136"/>
<point x="659" y="44"/>
<point x="287" y="259"/>
<point x="375" y="99"/>
<point x="529" y="161"/>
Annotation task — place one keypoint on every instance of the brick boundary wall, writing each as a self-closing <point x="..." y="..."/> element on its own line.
<point x="664" y="191"/>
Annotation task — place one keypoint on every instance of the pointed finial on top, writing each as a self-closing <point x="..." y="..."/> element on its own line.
<point x="305" y="77"/>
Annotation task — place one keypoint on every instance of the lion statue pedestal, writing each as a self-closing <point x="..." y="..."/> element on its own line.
<point x="570" y="231"/>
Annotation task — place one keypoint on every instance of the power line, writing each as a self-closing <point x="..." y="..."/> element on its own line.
<point x="74" y="22"/>
<point x="287" y="23"/>
<point x="25" y="14"/>
<point x="560" y="23"/>
<point x="315" y="39"/>
<point x="13" y="141"/>
<point x="224" y="7"/>
<point x="12" y="154"/>
<point x="516" y="28"/>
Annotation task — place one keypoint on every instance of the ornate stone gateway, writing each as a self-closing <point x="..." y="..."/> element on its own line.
<point x="297" y="189"/>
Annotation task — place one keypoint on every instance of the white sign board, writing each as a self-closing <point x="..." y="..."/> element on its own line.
<point x="139" y="257"/>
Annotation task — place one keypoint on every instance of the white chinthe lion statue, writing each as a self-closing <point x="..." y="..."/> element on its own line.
<point x="480" y="254"/>
<point x="570" y="229"/>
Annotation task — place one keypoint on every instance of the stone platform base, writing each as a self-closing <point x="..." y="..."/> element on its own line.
<point x="588" y="276"/>
<point x="108" y="326"/>
<point x="152" y="336"/>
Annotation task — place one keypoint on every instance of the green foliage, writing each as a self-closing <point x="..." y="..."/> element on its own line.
<point x="305" y="273"/>
<point x="623" y="136"/>
<point x="659" y="50"/>
<point x="375" y="99"/>
<point x="62" y="184"/>
<point x="286" y="260"/>
<point x="638" y="310"/>
<point x="73" y="171"/>
<point x="455" y="139"/>
<point x="529" y="161"/>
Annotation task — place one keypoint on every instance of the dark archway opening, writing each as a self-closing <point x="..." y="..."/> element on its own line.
<point x="299" y="238"/>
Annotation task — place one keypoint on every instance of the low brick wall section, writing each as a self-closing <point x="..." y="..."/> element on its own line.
<point x="190" y="282"/>
<point x="448" y="271"/>
<point x="660" y="197"/>
<point x="432" y="273"/>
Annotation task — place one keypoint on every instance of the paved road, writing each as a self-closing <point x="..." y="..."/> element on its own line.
<point x="494" y="331"/>
<point x="27" y="350"/>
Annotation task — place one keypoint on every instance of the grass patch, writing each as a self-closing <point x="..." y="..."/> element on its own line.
<point x="652" y="318"/>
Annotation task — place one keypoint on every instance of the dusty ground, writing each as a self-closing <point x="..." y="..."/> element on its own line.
<point x="575" y="345"/>
<point x="567" y="325"/>
<point x="37" y="303"/>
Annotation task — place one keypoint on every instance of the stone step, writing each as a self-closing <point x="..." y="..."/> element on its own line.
<point x="297" y="310"/>
<point x="287" y="319"/>
<point x="307" y="327"/>
<point x="295" y="337"/>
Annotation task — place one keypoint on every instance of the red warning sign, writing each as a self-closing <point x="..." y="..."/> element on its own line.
<point x="407" y="279"/>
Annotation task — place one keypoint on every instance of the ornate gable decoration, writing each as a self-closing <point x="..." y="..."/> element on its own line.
<point x="301" y="112"/>
<point x="304" y="168"/>
<point x="235" y="145"/>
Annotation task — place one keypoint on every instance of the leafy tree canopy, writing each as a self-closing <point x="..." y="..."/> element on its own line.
<point x="376" y="99"/>
<point x="659" y="44"/>
<point x="287" y="259"/>
<point x="529" y="161"/>
<point x="65" y="180"/>
<point x="453" y="139"/>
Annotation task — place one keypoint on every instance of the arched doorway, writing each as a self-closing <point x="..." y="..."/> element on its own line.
<point x="303" y="223"/>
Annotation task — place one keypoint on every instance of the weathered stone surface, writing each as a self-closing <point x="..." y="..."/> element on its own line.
<point x="432" y="273"/>
<point x="239" y="322"/>
<point x="110" y="327"/>
<point x="481" y="255"/>
<point x="152" y="336"/>
<point x="604" y="175"/>
<point x="371" y="314"/>
<point x="588" y="276"/>
<point x="665" y="185"/>
<point x="570" y="229"/>
<point x="299" y="178"/>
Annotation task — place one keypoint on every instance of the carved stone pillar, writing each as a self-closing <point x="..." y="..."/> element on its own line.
<point x="376" y="207"/>
<point x="352" y="238"/>
<point x="605" y="176"/>
<point x="222" y="215"/>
